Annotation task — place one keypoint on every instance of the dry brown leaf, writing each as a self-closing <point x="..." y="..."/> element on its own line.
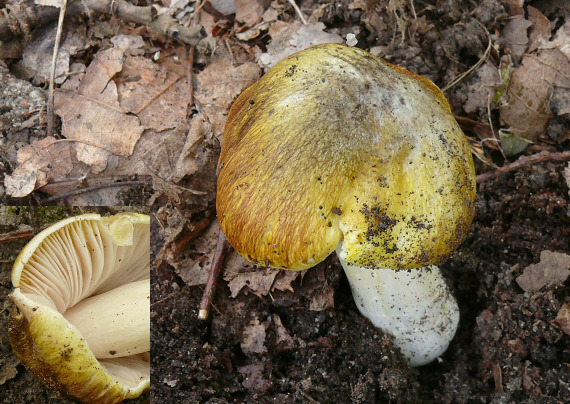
<point x="8" y="368"/>
<point x="37" y="54"/>
<point x="39" y="163"/>
<point x="563" y="318"/>
<point x="253" y="337"/>
<point x="514" y="7"/>
<point x="285" y="278"/>
<point x="258" y="280"/>
<point x="562" y="39"/>
<point x="322" y="299"/>
<point x="254" y="377"/>
<point x="281" y="333"/>
<point x="92" y="115"/>
<point x="248" y="12"/>
<point x="539" y="32"/>
<point x="129" y="44"/>
<point x="553" y="269"/>
<point x="527" y="112"/>
<point x="515" y="37"/>
<point x="218" y="85"/>
<point x="288" y="38"/>
<point x="186" y="164"/>
<point x="152" y="93"/>
<point x="195" y="267"/>
<point x="481" y="88"/>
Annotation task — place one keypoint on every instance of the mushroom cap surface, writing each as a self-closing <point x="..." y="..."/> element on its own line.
<point x="336" y="145"/>
<point x="70" y="261"/>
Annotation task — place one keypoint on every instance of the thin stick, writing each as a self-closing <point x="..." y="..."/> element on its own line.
<point x="222" y="249"/>
<point x="298" y="11"/>
<point x="524" y="161"/>
<point x="190" y="90"/>
<point x="175" y="250"/>
<point x="50" y="115"/>
<point x="476" y="65"/>
<point x="93" y="188"/>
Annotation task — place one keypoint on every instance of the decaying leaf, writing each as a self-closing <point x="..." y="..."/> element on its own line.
<point x="323" y="298"/>
<point x="8" y="368"/>
<point x="515" y="36"/>
<point x="157" y="96"/>
<point x="481" y="90"/>
<point x="563" y="318"/>
<point x="553" y="269"/>
<point x="218" y="85"/>
<point x="38" y="53"/>
<point x="281" y="334"/>
<point x="92" y="114"/>
<point x="254" y="377"/>
<point x="248" y="11"/>
<point x="285" y="278"/>
<point x="527" y="112"/>
<point x="288" y="38"/>
<point x="195" y="267"/>
<point x="539" y="32"/>
<point x="253" y="337"/>
<point x="39" y="163"/>
<point x="259" y="280"/>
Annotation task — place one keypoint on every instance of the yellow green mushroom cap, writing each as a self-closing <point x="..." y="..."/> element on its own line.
<point x="71" y="282"/>
<point x="335" y="145"/>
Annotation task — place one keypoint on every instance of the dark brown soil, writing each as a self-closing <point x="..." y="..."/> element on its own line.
<point x="507" y="348"/>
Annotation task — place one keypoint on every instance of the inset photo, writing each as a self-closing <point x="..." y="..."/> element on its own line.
<point x="75" y="304"/>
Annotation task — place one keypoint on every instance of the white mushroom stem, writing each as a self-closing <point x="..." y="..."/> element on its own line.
<point x="414" y="306"/>
<point x="115" y="323"/>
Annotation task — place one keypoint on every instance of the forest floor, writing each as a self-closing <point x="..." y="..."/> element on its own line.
<point x="141" y="122"/>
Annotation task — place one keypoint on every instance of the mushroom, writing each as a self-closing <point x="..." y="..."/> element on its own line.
<point x="81" y="320"/>
<point x="335" y="149"/>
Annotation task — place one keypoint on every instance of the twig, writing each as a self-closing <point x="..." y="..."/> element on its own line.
<point x="91" y="189"/>
<point x="298" y="11"/>
<point x="222" y="248"/>
<point x="476" y="65"/>
<point x="50" y="114"/>
<point x="32" y="16"/>
<point x="190" y="92"/>
<point x="175" y="249"/>
<point x="16" y="235"/>
<point x="524" y="161"/>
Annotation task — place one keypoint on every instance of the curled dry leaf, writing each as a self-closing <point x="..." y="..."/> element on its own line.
<point x="92" y="114"/>
<point x="218" y="85"/>
<point x="551" y="270"/>
<point x="39" y="163"/>
<point x="259" y="280"/>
